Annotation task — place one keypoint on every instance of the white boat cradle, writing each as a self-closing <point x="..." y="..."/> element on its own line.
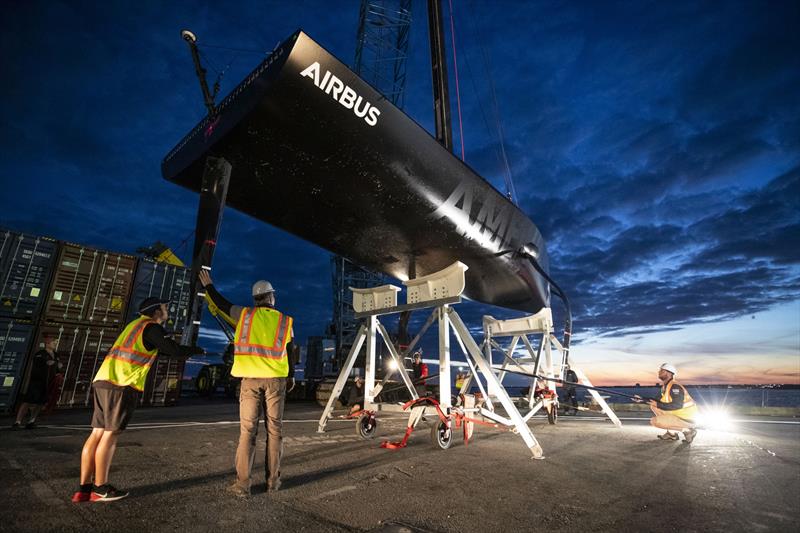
<point x="530" y="362"/>
<point x="439" y="292"/>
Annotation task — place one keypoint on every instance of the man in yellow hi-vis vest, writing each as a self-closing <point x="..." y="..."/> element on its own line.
<point x="261" y="359"/>
<point x="117" y="388"/>
<point x="674" y="408"/>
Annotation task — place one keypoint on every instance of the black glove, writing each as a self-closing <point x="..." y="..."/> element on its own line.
<point x="188" y="351"/>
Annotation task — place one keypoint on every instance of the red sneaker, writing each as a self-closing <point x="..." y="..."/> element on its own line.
<point x="107" y="493"/>
<point x="81" y="496"/>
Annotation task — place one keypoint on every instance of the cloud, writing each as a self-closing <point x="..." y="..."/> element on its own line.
<point x="726" y="261"/>
<point x="655" y="145"/>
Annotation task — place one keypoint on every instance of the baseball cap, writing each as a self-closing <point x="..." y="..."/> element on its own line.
<point x="262" y="287"/>
<point x="150" y="304"/>
<point x="669" y="368"/>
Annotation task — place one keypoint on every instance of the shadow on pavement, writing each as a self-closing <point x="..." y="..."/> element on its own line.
<point x="171" y="485"/>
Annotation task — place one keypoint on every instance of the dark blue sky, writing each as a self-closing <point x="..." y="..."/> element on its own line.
<point x="655" y="144"/>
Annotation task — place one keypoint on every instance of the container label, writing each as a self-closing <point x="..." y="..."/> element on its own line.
<point x="8" y="381"/>
<point x="35" y="292"/>
<point x="57" y="295"/>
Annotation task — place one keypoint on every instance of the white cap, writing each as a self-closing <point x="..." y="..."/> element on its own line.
<point x="669" y="368"/>
<point x="262" y="287"/>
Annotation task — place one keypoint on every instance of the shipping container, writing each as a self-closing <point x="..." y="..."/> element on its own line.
<point x="320" y="357"/>
<point x="111" y="290"/>
<point x="163" y="387"/>
<point x="26" y="264"/>
<point x="90" y="287"/>
<point x="15" y="341"/>
<point x="166" y="281"/>
<point x="80" y="349"/>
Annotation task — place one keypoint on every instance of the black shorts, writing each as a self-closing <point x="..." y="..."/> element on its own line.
<point x="36" y="393"/>
<point x="113" y="407"/>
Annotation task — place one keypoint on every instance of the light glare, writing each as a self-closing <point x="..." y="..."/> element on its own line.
<point x="716" y="418"/>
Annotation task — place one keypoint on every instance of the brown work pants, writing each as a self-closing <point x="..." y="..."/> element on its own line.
<point x="666" y="420"/>
<point x="258" y="395"/>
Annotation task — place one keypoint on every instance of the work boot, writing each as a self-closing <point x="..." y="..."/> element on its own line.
<point x="238" y="490"/>
<point x="274" y="486"/>
<point x="689" y="435"/>
<point x="30" y="425"/>
<point x="16" y="425"/>
<point x="669" y="436"/>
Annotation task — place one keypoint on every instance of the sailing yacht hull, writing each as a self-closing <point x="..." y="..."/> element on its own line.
<point x="319" y="153"/>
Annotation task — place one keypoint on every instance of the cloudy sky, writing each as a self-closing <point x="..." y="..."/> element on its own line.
<point x="655" y="144"/>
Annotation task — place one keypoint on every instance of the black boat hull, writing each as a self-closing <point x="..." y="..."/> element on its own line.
<point x="317" y="152"/>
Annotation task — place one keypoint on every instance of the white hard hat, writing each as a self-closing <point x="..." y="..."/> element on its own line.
<point x="262" y="287"/>
<point x="669" y="367"/>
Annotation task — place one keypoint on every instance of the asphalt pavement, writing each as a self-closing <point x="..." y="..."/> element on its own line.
<point x="177" y="461"/>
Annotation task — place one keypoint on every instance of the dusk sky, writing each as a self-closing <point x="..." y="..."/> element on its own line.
<point x="656" y="145"/>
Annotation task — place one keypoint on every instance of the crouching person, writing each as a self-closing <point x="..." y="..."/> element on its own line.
<point x="674" y="409"/>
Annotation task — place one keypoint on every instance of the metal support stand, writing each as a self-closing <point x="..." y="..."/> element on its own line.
<point x="596" y="395"/>
<point x="539" y="325"/>
<point x="437" y="291"/>
<point x="343" y="375"/>
<point x="213" y="193"/>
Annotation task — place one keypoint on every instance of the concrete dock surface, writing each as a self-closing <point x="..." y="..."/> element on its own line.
<point x="176" y="462"/>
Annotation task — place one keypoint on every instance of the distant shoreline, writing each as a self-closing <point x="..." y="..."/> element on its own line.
<point x="715" y="386"/>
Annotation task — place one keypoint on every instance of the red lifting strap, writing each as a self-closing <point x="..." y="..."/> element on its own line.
<point x="398" y="444"/>
<point x="350" y="416"/>
<point x="428" y="400"/>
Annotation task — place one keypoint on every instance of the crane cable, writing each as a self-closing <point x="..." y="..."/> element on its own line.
<point x="509" y="180"/>
<point x="458" y="92"/>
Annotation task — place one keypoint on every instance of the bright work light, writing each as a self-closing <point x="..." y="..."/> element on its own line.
<point x="716" y="418"/>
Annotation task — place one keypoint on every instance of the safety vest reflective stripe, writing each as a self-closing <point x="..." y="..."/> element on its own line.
<point x="128" y="342"/>
<point x="125" y="352"/>
<point x="280" y="334"/>
<point x="247" y="348"/>
<point x="688" y="409"/>
<point x="135" y="358"/>
<point x="260" y="343"/>
<point x="129" y="360"/>
<point x="246" y="325"/>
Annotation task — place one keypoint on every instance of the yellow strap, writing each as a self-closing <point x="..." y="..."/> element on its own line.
<point x="216" y="311"/>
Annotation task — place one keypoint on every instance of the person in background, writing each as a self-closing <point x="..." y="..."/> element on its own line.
<point x="355" y="396"/>
<point x="420" y="373"/>
<point x="44" y="368"/>
<point x="570" y="395"/>
<point x="261" y="359"/>
<point x="118" y="386"/>
<point x="460" y="377"/>
<point x="674" y="408"/>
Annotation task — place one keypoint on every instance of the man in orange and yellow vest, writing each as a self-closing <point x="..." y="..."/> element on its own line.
<point x="117" y="388"/>
<point x="261" y="359"/>
<point x="674" y="408"/>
